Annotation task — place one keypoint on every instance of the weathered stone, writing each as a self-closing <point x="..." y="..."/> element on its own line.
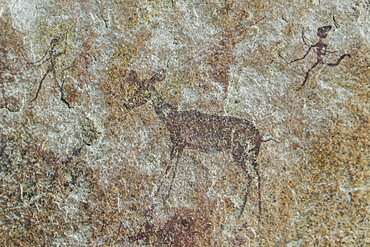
<point x="145" y="123"/>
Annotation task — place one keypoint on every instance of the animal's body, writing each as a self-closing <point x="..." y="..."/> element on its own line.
<point x="203" y="132"/>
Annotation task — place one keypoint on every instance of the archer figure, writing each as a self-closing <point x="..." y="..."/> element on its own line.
<point x="320" y="48"/>
<point x="49" y="57"/>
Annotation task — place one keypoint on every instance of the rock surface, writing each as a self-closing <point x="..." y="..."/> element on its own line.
<point x="79" y="167"/>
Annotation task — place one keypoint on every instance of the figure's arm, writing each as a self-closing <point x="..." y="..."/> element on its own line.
<point x="303" y="38"/>
<point x="36" y="62"/>
<point x="295" y="60"/>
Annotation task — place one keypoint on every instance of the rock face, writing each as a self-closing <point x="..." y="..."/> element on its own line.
<point x="80" y="166"/>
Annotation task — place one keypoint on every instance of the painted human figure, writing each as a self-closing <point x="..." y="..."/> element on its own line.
<point x="320" y="48"/>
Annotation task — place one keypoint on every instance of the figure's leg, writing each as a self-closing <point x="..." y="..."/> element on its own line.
<point x="307" y="74"/>
<point x="339" y="60"/>
<point x="60" y="86"/>
<point x="40" y="85"/>
<point x="56" y="79"/>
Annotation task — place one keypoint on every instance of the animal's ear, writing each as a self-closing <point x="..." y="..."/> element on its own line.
<point x="132" y="76"/>
<point x="159" y="75"/>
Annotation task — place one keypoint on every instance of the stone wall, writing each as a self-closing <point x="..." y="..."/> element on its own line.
<point x="208" y="81"/>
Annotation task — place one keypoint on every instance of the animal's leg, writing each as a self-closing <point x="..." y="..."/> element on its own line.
<point x="339" y="60"/>
<point x="65" y="44"/>
<point x="165" y="174"/>
<point x="259" y="185"/>
<point x="177" y="149"/>
<point x="249" y="183"/>
<point x="173" y="178"/>
<point x="238" y="156"/>
<point x="175" y="152"/>
<point x="252" y="155"/>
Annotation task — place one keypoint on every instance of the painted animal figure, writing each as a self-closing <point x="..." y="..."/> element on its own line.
<point x="203" y="132"/>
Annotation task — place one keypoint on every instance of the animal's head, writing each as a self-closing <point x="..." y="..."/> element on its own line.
<point x="322" y="32"/>
<point x="138" y="92"/>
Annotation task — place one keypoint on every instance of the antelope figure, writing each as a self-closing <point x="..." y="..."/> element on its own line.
<point x="203" y="132"/>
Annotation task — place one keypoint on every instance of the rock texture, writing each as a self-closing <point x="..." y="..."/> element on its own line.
<point x="80" y="167"/>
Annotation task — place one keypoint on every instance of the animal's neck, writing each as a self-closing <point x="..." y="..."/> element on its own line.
<point x="162" y="109"/>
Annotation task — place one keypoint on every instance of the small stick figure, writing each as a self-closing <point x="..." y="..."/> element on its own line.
<point x="320" y="48"/>
<point x="49" y="57"/>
